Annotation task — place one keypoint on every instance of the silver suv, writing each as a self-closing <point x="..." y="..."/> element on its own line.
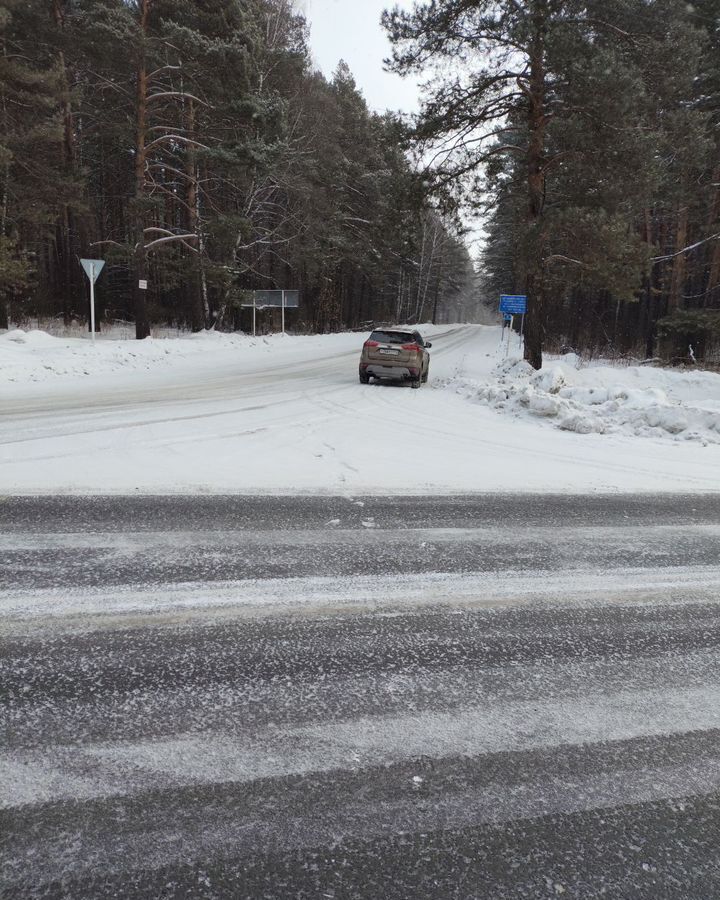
<point x="396" y="354"/>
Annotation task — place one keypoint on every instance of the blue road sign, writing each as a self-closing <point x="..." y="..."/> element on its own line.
<point x="515" y="304"/>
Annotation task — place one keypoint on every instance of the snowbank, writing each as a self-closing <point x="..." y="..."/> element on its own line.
<point x="603" y="399"/>
<point x="35" y="356"/>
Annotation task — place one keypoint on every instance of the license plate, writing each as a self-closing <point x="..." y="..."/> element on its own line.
<point x="390" y="352"/>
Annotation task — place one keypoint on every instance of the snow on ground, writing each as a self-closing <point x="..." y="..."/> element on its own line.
<point x="85" y="608"/>
<point x="603" y="399"/>
<point x="35" y="356"/>
<point x="232" y="413"/>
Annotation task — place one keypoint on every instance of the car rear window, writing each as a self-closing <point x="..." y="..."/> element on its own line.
<point x="393" y="337"/>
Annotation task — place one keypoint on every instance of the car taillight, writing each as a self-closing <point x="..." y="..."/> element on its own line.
<point x="371" y="344"/>
<point x="412" y="347"/>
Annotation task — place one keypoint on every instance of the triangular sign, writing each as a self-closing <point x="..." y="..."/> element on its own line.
<point x="92" y="267"/>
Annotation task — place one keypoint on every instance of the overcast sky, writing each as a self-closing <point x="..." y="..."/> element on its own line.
<point x="350" y="30"/>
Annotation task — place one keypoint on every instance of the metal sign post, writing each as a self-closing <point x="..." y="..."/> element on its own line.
<point x="92" y="268"/>
<point x="510" y="330"/>
<point x="92" y="302"/>
<point x="507" y="320"/>
<point x="254" y="314"/>
<point x="282" y="315"/>
<point x="512" y="305"/>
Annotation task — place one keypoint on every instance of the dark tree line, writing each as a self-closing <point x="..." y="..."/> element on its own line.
<point x="191" y="145"/>
<point x="588" y="134"/>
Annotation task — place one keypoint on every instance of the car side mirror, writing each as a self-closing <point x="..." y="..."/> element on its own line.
<point x="428" y="345"/>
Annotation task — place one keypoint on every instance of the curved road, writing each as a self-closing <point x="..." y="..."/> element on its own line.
<point x="292" y="417"/>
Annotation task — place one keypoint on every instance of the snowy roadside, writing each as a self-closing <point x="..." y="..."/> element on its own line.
<point x="219" y="413"/>
<point x="28" y="357"/>
<point x="601" y="398"/>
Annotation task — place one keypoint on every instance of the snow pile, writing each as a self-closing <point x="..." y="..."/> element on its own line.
<point x="35" y="356"/>
<point x="603" y="399"/>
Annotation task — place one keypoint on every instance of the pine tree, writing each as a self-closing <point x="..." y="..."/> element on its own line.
<point x="32" y="181"/>
<point x="534" y="96"/>
<point x="193" y="146"/>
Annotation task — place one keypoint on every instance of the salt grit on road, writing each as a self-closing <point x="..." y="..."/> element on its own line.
<point x="229" y="413"/>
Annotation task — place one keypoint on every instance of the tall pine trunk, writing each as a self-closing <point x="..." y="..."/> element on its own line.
<point x="142" y="325"/>
<point x="535" y="92"/>
<point x="679" y="266"/>
<point x="65" y="277"/>
<point x="196" y="305"/>
<point x="712" y="289"/>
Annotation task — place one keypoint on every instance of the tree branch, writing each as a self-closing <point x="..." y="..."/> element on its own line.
<point x="561" y="258"/>
<point x="713" y="237"/>
<point x="164" y="167"/>
<point x="164" y="69"/>
<point x="114" y="244"/>
<point x="174" y="137"/>
<point x="173" y="237"/>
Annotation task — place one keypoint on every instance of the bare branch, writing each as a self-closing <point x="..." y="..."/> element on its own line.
<point x="713" y="237"/>
<point x="165" y="138"/>
<point x="157" y="230"/>
<point x="173" y="237"/>
<point x="261" y="242"/>
<point x="110" y="84"/>
<point x="164" y="167"/>
<point x="560" y="258"/>
<point x="164" y="69"/>
<point x="169" y="128"/>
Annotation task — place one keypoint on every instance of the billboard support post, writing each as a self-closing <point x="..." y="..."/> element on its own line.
<point x="272" y="299"/>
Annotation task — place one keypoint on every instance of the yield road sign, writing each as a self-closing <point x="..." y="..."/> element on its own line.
<point x="92" y="267"/>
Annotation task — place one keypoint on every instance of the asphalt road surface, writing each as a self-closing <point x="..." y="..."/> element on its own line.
<point x="356" y="697"/>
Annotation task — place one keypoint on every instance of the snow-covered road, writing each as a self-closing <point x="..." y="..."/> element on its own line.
<point x="465" y="696"/>
<point x="287" y="414"/>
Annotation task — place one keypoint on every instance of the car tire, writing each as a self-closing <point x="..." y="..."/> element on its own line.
<point x="416" y="382"/>
<point x="364" y="379"/>
<point x="426" y="375"/>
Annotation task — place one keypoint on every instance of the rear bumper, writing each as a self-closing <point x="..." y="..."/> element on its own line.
<point x="398" y="372"/>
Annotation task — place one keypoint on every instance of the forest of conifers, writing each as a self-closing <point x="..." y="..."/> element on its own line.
<point x="588" y="131"/>
<point x="193" y="145"/>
